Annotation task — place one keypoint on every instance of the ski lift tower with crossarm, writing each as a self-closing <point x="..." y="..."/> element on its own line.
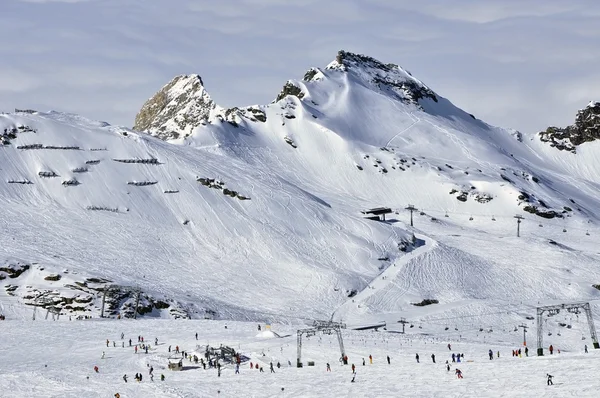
<point x="325" y="327"/>
<point x="573" y="308"/>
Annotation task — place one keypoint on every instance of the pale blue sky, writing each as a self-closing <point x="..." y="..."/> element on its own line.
<point x="524" y="64"/>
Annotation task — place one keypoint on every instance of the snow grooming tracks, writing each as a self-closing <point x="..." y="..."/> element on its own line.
<point x="388" y="276"/>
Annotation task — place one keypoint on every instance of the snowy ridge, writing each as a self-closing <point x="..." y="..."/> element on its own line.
<point x="254" y="212"/>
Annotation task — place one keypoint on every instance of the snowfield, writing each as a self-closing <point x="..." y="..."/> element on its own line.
<point x="253" y="215"/>
<point x="56" y="359"/>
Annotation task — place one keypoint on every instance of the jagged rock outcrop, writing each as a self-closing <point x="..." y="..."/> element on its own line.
<point x="179" y="107"/>
<point x="386" y="77"/>
<point x="290" y="89"/>
<point x="183" y="105"/>
<point x="585" y="129"/>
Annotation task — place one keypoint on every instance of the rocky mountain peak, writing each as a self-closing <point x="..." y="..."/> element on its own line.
<point x="585" y="129"/>
<point x="177" y="108"/>
<point x="389" y="77"/>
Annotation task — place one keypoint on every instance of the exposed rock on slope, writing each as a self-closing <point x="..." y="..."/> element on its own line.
<point x="585" y="129"/>
<point x="386" y="77"/>
<point x="179" y="107"/>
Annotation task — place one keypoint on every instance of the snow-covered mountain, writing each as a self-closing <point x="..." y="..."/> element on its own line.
<point x="255" y="212"/>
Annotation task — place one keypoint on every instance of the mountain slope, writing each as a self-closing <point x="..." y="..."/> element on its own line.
<point x="254" y="212"/>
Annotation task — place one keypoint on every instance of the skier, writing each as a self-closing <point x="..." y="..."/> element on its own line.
<point x="156" y="341"/>
<point x="458" y="358"/>
<point x="449" y="347"/>
<point x="549" y="376"/>
<point x="251" y="365"/>
<point x="96" y="369"/>
<point x="417" y="357"/>
<point x="585" y="348"/>
<point x="102" y="355"/>
<point x="370" y="359"/>
<point x="259" y="328"/>
<point x="107" y="342"/>
<point x="491" y="354"/>
<point x="271" y="367"/>
<point x="363" y="362"/>
<point x="448" y="367"/>
<point x="196" y="335"/>
<point x="125" y="378"/>
<point x="526" y="351"/>
<point x="135" y="349"/>
<point x="433" y="357"/>
<point x="129" y="342"/>
<point x="261" y="370"/>
<point x="453" y="357"/>
<point x="177" y="349"/>
<point x="458" y="373"/>
<point x="498" y="354"/>
<point x="162" y="377"/>
<point x="151" y="370"/>
<point x="237" y="369"/>
<point x="388" y="359"/>
<point x="114" y="343"/>
<point x="122" y="344"/>
<point x="551" y="349"/>
<point x="122" y="335"/>
<point x="169" y="348"/>
<point x="328" y="367"/>
<point x="353" y="368"/>
<point x="146" y="348"/>
<point x="520" y="353"/>
<point x="278" y="365"/>
<point x="353" y="377"/>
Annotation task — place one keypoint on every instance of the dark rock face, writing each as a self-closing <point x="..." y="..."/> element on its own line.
<point x="387" y="77"/>
<point x="585" y="129"/>
<point x="290" y="89"/>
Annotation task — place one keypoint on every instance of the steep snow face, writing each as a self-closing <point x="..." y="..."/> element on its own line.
<point x="88" y="207"/>
<point x="179" y="107"/>
<point x="388" y="78"/>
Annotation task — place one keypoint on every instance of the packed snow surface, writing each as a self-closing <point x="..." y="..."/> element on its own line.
<point x="56" y="359"/>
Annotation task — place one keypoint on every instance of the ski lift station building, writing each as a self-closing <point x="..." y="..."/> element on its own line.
<point x="175" y="363"/>
<point x="377" y="213"/>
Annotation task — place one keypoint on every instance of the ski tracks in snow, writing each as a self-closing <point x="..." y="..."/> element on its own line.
<point x="387" y="277"/>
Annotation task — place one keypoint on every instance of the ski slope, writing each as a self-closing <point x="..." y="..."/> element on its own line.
<point x="30" y="368"/>
<point x="231" y="221"/>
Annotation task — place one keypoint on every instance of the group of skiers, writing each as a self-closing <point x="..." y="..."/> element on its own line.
<point x="518" y="353"/>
